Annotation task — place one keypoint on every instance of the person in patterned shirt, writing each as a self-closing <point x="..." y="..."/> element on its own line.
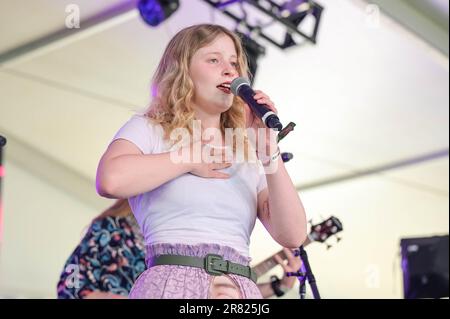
<point x="109" y="258"/>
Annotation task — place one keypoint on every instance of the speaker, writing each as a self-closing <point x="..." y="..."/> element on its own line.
<point x="425" y="267"/>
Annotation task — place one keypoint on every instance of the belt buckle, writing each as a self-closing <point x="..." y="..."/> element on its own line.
<point x="209" y="260"/>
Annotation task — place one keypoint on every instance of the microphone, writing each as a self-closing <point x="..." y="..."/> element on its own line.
<point x="241" y="87"/>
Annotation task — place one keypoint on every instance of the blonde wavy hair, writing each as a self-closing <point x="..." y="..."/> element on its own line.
<point x="173" y="89"/>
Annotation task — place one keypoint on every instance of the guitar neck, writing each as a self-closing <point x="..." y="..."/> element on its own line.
<point x="270" y="262"/>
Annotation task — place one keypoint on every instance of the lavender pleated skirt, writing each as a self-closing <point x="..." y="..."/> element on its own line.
<point x="183" y="282"/>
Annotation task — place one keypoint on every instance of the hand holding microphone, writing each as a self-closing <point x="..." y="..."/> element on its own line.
<point x="265" y="111"/>
<point x="263" y="108"/>
<point x="262" y="118"/>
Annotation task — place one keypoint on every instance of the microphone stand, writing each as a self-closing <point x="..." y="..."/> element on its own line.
<point x="2" y="143"/>
<point x="307" y="274"/>
<point x="302" y="280"/>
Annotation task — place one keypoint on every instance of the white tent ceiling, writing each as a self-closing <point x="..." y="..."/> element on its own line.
<point x="364" y="98"/>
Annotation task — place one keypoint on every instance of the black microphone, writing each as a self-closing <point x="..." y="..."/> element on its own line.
<point x="241" y="87"/>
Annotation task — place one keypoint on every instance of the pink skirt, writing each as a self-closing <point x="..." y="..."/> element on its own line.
<point x="184" y="282"/>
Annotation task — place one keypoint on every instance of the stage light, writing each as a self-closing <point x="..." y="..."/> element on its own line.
<point x="289" y="15"/>
<point x="295" y="12"/>
<point x="156" y="11"/>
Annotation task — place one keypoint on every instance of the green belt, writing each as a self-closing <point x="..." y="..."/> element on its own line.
<point x="212" y="264"/>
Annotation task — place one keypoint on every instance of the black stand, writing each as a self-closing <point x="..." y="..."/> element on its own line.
<point x="306" y="275"/>
<point x="302" y="289"/>
<point x="2" y="143"/>
<point x="309" y="273"/>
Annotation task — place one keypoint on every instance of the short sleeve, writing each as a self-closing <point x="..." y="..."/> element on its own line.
<point x="139" y="131"/>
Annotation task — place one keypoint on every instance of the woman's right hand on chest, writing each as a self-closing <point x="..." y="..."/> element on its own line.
<point x="206" y="160"/>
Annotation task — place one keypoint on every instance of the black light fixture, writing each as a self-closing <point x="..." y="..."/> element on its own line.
<point x="295" y="11"/>
<point x="153" y="12"/>
<point x="287" y="14"/>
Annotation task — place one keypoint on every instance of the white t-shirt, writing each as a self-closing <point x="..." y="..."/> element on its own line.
<point x="191" y="209"/>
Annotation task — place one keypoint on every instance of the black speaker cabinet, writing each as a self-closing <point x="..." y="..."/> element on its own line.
<point x="425" y="267"/>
